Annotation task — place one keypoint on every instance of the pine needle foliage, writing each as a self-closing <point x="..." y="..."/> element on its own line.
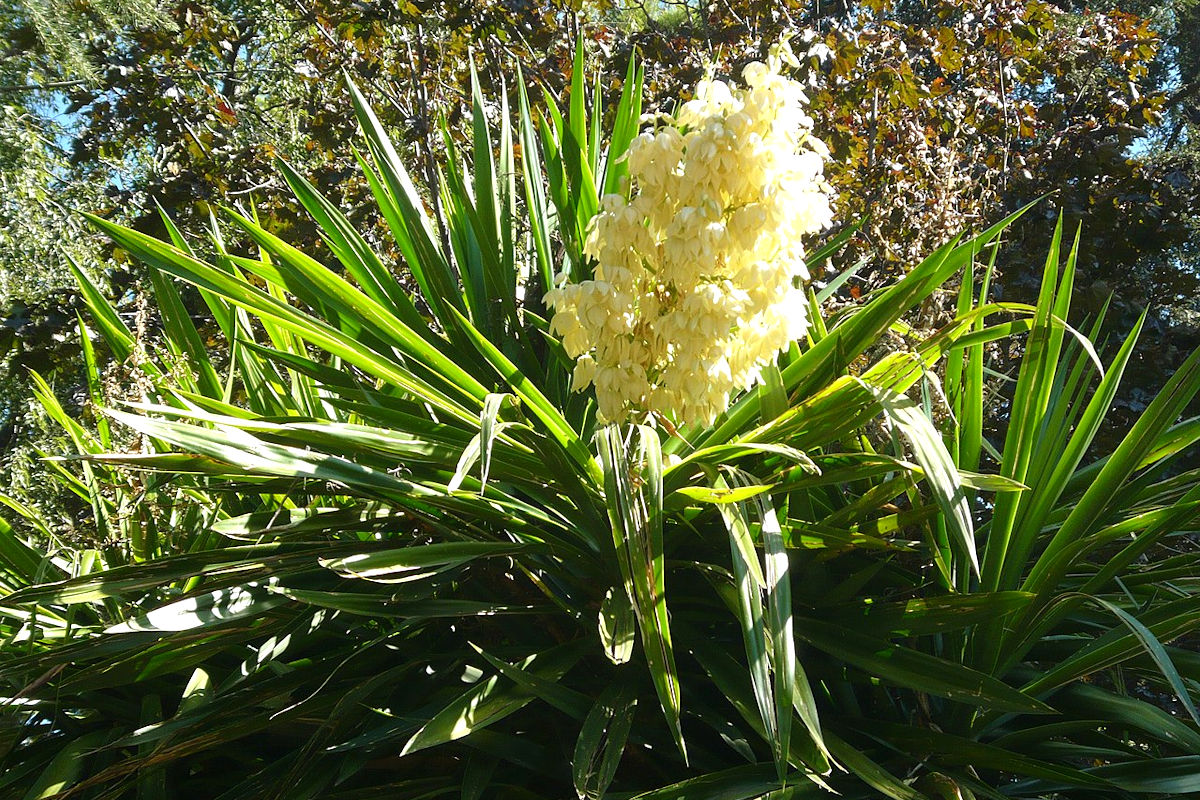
<point x="66" y="28"/>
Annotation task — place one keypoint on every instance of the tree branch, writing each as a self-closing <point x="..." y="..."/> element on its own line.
<point x="43" y="87"/>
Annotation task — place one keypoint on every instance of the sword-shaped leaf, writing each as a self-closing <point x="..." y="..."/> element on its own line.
<point x="633" y="493"/>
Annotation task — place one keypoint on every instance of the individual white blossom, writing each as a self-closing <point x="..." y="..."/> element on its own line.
<point x="697" y="273"/>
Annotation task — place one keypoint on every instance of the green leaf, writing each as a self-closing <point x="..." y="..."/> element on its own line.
<point x="537" y="209"/>
<point x="478" y="775"/>
<point x="253" y="455"/>
<point x="352" y="250"/>
<point x="1030" y="398"/>
<point x="273" y="310"/>
<point x="751" y="584"/>
<point x="625" y="125"/>
<point x="114" y="330"/>
<point x="181" y="334"/>
<point x="416" y="562"/>
<point x="933" y="615"/>
<point x="773" y="395"/>
<point x="941" y="473"/>
<point x="66" y="768"/>
<point x="989" y="483"/>
<point x="916" y="670"/>
<point x="1034" y="511"/>
<point x="1088" y="702"/>
<point x="1157" y="652"/>
<point x="947" y="748"/>
<point x="1165" y="622"/>
<point x="204" y="610"/>
<point x="765" y="614"/>
<point x="779" y="625"/>
<point x="260" y="560"/>
<point x="491" y="701"/>
<point x="832" y="286"/>
<point x="545" y="411"/>
<point x="618" y="625"/>
<point x="729" y="678"/>
<point x="302" y="274"/>
<point x="739" y="783"/>
<point x="725" y="454"/>
<point x="1162" y="412"/>
<point x="602" y="741"/>
<point x="405" y="213"/>
<point x="1178" y="775"/>
<point x="871" y="773"/>
<point x="568" y="701"/>
<point x="480" y="446"/>
<point x="297" y="521"/>
<point x="722" y="495"/>
<point x="635" y="513"/>
<point x="19" y="561"/>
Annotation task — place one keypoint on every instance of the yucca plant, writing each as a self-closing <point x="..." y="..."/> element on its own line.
<point x="414" y="565"/>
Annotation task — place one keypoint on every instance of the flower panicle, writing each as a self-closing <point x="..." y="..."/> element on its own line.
<point x="698" y="271"/>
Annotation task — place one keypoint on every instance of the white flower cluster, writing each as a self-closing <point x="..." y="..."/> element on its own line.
<point x="694" y="289"/>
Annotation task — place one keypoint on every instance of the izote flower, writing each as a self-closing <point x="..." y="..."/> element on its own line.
<point x="697" y="272"/>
